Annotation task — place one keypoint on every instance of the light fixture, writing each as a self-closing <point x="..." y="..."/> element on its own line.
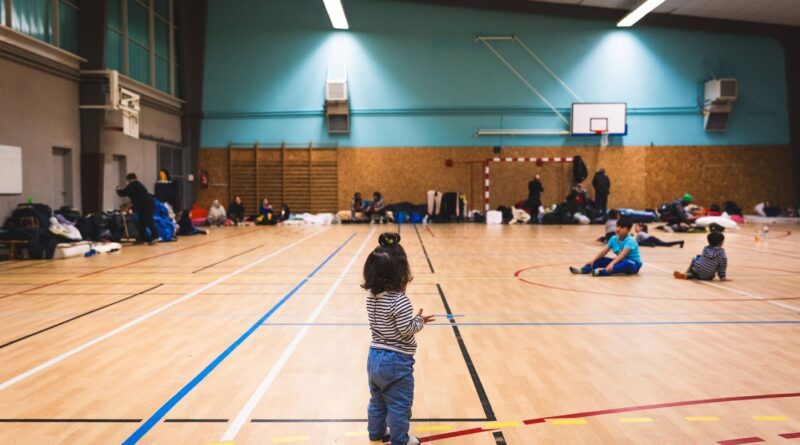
<point x="637" y="14"/>
<point x="336" y="13"/>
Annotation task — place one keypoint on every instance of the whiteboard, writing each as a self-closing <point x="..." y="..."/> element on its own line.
<point x="10" y="170"/>
<point x="590" y="117"/>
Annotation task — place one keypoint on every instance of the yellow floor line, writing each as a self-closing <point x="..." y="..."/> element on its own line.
<point x="703" y="419"/>
<point x="426" y="429"/>
<point x="290" y="439"/>
<point x="566" y="421"/>
<point x="770" y="418"/>
<point x="636" y="419"/>
<point x="494" y="425"/>
<point x="356" y="433"/>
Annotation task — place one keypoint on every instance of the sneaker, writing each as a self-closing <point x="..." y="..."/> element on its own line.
<point x="679" y="275"/>
<point x="413" y="440"/>
<point x="597" y="272"/>
<point x="577" y="270"/>
<point x="153" y="241"/>
<point x="386" y="437"/>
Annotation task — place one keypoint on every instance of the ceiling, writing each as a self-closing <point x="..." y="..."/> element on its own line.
<point x="781" y="12"/>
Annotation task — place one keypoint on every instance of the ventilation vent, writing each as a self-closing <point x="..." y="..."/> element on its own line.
<point x="336" y="90"/>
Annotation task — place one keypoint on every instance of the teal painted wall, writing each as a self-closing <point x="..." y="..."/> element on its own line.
<point x="418" y="78"/>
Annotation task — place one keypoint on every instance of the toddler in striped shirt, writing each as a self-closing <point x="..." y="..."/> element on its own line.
<point x="712" y="262"/>
<point x="390" y="364"/>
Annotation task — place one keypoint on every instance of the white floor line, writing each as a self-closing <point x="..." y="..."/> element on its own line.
<point x="144" y="317"/>
<point x="262" y="388"/>
<point x="725" y="288"/>
<point x="735" y="291"/>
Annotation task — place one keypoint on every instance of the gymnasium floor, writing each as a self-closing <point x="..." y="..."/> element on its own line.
<point x="258" y="335"/>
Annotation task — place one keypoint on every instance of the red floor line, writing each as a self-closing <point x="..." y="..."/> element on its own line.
<point x="790" y="435"/>
<point x="624" y="410"/>
<point x="123" y="265"/>
<point x="741" y="441"/>
<point x="643" y="297"/>
<point x="430" y="231"/>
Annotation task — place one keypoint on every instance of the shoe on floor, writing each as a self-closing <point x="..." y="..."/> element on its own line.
<point x="413" y="440"/>
<point x="577" y="270"/>
<point x="386" y="437"/>
<point x="679" y="275"/>
<point x="597" y="272"/>
<point x="154" y="241"/>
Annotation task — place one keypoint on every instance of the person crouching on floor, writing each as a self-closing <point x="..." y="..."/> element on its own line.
<point x="627" y="260"/>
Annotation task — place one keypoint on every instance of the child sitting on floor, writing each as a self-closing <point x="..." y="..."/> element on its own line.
<point x="712" y="262"/>
<point x="645" y="239"/>
<point x="627" y="261"/>
<point x="611" y="226"/>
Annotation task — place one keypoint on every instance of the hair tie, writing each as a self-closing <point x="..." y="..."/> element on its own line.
<point x="389" y="239"/>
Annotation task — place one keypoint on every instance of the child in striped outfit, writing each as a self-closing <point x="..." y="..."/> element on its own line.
<point x="390" y="364"/>
<point x="712" y="262"/>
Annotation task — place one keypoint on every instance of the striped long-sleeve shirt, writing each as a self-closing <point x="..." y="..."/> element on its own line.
<point x="392" y="322"/>
<point x="712" y="261"/>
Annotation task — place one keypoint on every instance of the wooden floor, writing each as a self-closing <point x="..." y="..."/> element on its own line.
<point x="258" y="335"/>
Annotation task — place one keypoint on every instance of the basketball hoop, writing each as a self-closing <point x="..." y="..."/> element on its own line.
<point x="603" y="137"/>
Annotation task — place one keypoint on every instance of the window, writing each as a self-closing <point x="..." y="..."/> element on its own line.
<point x="139" y="42"/>
<point x="38" y="19"/>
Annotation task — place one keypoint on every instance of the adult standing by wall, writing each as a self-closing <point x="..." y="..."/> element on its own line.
<point x="535" y="191"/>
<point x="143" y="205"/>
<point x="602" y="188"/>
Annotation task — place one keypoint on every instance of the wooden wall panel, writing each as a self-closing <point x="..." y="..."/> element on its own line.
<point x="642" y="177"/>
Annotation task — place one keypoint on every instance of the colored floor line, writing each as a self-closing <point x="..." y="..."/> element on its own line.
<point x="455" y="419"/>
<point x="258" y="394"/>
<point x="122" y="265"/>
<point x="424" y="250"/>
<point x="543" y="420"/>
<point x="741" y="441"/>
<point x="40" y="331"/>
<point x="428" y="228"/>
<point x="790" y="435"/>
<point x="70" y="420"/>
<point x="566" y="323"/>
<point x="643" y="297"/>
<point x="148" y="315"/>
<point x="229" y="258"/>
<point x="166" y="407"/>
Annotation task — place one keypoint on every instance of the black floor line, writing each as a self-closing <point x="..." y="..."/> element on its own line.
<point x="476" y="380"/>
<point x="70" y="420"/>
<point x="77" y="317"/>
<point x="195" y="420"/>
<point x="229" y="258"/>
<point x="455" y="419"/>
<point x="423" y="249"/>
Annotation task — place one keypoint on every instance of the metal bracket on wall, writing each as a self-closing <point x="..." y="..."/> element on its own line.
<point x="528" y="132"/>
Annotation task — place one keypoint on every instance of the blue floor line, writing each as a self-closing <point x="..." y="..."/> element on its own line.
<point x="567" y="323"/>
<point x="161" y="412"/>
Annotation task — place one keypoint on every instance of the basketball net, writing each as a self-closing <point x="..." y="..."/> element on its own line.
<point x="603" y="137"/>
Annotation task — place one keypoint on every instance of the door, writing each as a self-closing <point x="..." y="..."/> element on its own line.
<point x="119" y="169"/>
<point x="62" y="177"/>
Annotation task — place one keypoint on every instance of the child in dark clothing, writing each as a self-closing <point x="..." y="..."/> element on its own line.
<point x="645" y="239"/>
<point x="712" y="262"/>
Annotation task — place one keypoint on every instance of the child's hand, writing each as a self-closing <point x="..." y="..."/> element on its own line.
<point x="425" y="318"/>
<point x="610" y="268"/>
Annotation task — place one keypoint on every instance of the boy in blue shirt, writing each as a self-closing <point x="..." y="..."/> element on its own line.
<point x="626" y="248"/>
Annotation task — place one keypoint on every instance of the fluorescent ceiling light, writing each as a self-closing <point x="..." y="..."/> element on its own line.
<point x="637" y="14"/>
<point x="336" y="13"/>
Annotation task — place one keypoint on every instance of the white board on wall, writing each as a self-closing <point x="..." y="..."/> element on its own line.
<point x="588" y="118"/>
<point x="10" y="170"/>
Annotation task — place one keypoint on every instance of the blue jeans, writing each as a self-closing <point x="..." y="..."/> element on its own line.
<point x="627" y="267"/>
<point x="391" y="385"/>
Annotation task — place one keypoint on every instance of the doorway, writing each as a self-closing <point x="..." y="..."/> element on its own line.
<point x="62" y="178"/>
